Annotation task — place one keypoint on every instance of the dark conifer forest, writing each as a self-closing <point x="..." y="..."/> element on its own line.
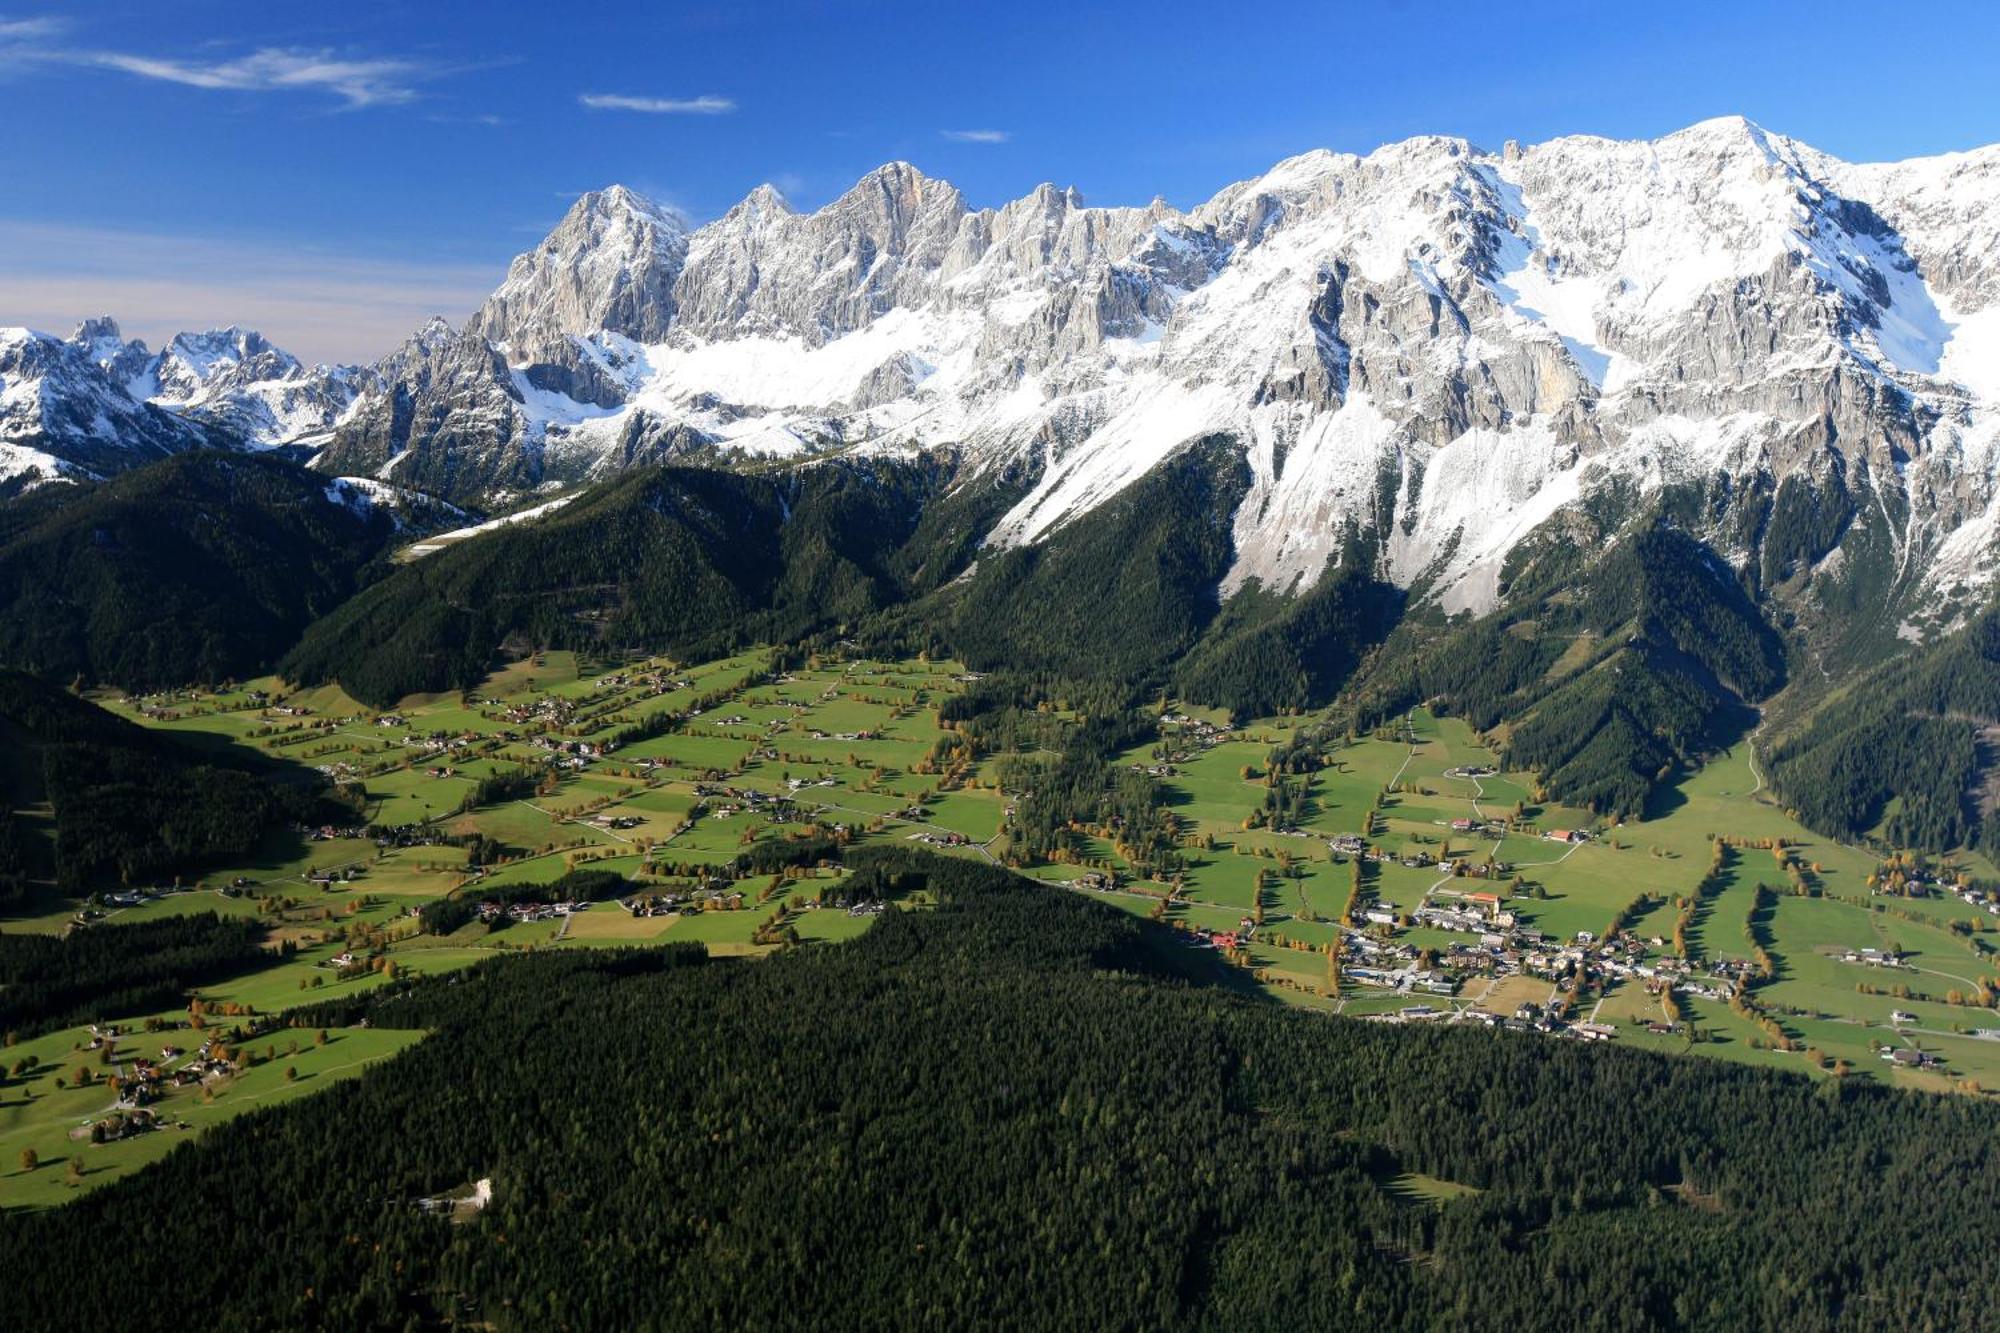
<point x="49" y="981"/>
<point x="200" y="568"/>
<point x="1022" y="1110"/>
<point x="1917" y="731"/>
<point x="131" y="805"/>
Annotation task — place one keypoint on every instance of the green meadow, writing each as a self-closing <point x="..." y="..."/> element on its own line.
<point x="855" y="735"/>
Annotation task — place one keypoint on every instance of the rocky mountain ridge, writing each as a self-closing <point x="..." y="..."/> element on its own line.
<point x="1443" y="347"/>
<point x="1445" y="350"/>
<point x="97" y="403"/>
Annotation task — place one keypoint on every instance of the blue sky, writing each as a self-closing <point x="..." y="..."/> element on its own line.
<point x="332" y="172"/>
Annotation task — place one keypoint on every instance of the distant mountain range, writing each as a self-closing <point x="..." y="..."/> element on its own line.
<point x="1443" y="346"/>
<point x="1671" y="423"/>
<point x="97" y="402"/>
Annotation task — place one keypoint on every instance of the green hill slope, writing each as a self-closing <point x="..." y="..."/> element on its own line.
<point x="198" y="568"/>
<point x="129" y="802"/>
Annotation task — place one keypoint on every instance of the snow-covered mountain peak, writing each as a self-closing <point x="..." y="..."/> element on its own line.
<point x="896" y="188"/>
<point x="1670" y="218"/>
<point x="1727" y="134"/>
<point x="129" y="363"/>
<point x="895" y="210"/>
<point x="610" y="264"/>
<point x="1947" y="210"/>
<point x="614" y="200"/>
<point x="1433" y="343"/>
<point x="233" y="381"/>
<point x="766" y="200"/>
<point x="101" y="329"/>
<point x="63" y="414"/>
<point x="192" y="364"/>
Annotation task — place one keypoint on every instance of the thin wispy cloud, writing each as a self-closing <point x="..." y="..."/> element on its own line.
<point x="24" y="42"/>
<point x="705" y="105"/>
<point x="357" y="80"/>
<point x="380" y="82"/>
<point x="22" y="30"/>
<point x="976" y="136"/>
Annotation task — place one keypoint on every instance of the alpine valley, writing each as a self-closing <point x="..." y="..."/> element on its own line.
<point x="1415" y="745"/>
<point x="1717" y="410"/>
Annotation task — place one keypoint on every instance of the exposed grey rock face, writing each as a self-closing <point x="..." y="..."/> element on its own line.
<point x="610" y="266"/>
<point x="596" y="373"/>
<point x="765" y="269"/>
<point x="451" y="419"/>
<point x="1438" y="347"/>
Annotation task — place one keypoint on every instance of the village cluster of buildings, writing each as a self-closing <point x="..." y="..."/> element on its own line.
<point x="728" y="801"/>
<point x="492" y="910"/>
<point x="570" y="754"/>
<point x="142" y="1083"/>
<point x="1504" y="946"/>
<point x="1984" y="899"/>
<point x="714" y="895"/>
<point x="1184" y="737"/>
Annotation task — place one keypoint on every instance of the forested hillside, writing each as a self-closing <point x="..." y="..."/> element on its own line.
<point x="130" y="803"/>
<point x="688" y="560"/>
<point x="199" y="568"/>
<point x="50" y="981"/>
<point x="695" y="561"/>
<point x="1625" y="649"/>
<point x="1020" y="1109"/>
<point x="1909" y="746"/>
<point x="1119" y="597"/>
<point x="1606" y="675"/>
<point x="1267" y="651"/>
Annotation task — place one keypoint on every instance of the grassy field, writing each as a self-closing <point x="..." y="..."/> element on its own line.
<point x="38" y="1117"/>
<point x="845" y="742"/>
<point x="1409" y="776"/>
